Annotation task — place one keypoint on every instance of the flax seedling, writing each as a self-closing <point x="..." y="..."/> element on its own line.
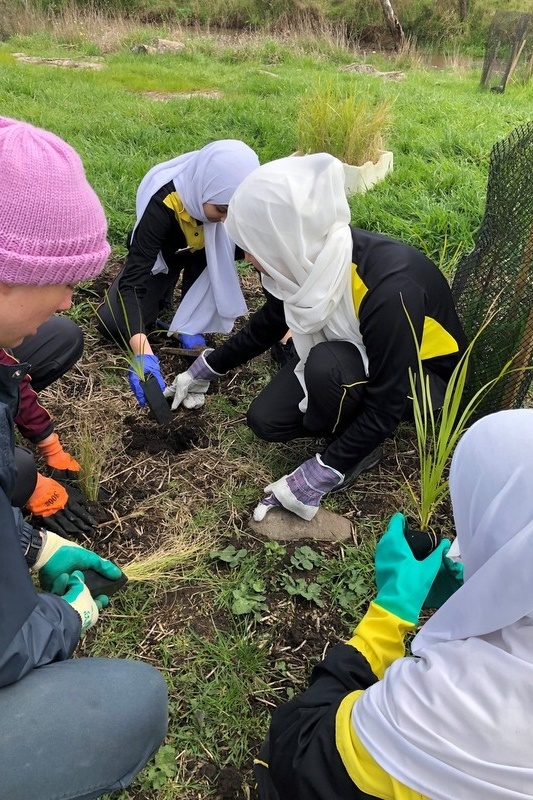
<point x="151" y="389"/>
<point x="437" y="433"/>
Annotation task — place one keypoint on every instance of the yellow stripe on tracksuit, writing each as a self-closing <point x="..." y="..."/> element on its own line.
<point x="192" y="229"/>
<point x="436" y="341"/>
<point x="379" y="637"/>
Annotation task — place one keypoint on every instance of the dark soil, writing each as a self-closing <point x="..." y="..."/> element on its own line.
<point x="175" y="437"/>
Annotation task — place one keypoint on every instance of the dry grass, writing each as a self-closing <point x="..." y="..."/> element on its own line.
<point x="73" y="25"/>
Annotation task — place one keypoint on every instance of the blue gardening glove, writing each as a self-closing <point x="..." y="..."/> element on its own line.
<point x="150" y="366"/>
<point x="191" y="340"/>
<point x="79" y="597"/>
<point x="190" y="387"/>
<point x="449" y="578"/>
<point x="404" y="582"/>
<point x="301" y="491"/>
<point x="58" y="556"/>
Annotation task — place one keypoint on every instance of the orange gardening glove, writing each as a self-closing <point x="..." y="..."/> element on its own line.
<point x="62" y="466"/>
<point x="56" y="511"/>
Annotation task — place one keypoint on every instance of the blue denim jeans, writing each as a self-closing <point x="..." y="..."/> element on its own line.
<point x="79" y="728"/>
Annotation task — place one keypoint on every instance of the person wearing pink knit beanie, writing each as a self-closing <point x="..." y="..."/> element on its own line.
<point x="69" y="728"/>
<point x="52" y="235"/>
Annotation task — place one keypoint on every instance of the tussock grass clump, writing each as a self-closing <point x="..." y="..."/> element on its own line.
<point x="92" y="452"/>
<point x="180" y="549"/>
<point x="334" y="119"/>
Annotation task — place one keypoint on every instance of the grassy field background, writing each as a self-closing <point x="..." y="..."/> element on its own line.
<point x="236" y="627"/>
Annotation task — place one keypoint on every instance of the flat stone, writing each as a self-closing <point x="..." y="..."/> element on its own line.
<point x="169" y="46"/>
<point x="283" y="526"/>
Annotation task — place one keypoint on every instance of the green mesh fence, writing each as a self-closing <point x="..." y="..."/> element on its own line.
<point x="499" y="272"/>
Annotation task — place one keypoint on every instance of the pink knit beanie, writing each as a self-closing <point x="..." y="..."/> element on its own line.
<point x="52" y="225"/>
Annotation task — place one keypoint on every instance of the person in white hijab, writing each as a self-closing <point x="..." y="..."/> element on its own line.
<point x="180" y="207"/>
<point x="455" y="719"/>
<point x="348" y="296"/>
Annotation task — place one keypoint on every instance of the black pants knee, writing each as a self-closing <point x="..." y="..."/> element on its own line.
<point x="335" y="379"/>
<point x="111" y="321"/>
<point x="52" y="351"/>
<point x="157" y="299"/>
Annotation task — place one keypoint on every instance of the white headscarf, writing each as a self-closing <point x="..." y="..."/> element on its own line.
<point x="293" y="217"/>
<point x="457" y="721"/>
<point x="209" y="175"/>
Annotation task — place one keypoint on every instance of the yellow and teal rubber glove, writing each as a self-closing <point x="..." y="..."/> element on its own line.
<point x="450" y="577"/>
<point x="78" y="596"/>
<point x="58" y="557"/>
<point x="403" y="582"/>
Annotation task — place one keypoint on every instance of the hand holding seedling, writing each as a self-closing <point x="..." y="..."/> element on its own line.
<point x="450" y="577"/>
<point x="59" y="557"/>
<point x="142" y="366"/>
<point x="79" y="597"/>
<point x="402" y="580"/>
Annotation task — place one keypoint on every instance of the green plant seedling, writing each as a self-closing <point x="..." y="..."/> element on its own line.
<point x="92" y="452"/>
<point x="151" y="389"/>
<point x="249" y="598"/>
<point x="230" y="555"/>
<point x="274" y="552"/>
<point x="437" y="434"/>
<point x="298" y="587"/>
<point x="161" y="769"/>
<point x="305" y="557"/>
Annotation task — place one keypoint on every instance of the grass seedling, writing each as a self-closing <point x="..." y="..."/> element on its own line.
<point x="437" y="433"/>
<point x="135" y="362"/>
<point x="162" y="563"/>
<point x="92" y="452"/>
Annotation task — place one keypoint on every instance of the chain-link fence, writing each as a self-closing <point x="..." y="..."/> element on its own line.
<point x="499" y="273"/>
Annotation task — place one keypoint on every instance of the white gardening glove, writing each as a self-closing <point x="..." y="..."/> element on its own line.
<point x="187" y="391"/>
<point x="301" y="491"/>
<point x="189" y="388"/>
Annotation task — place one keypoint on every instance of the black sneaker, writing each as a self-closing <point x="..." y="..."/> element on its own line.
<point x="366" y="463"/>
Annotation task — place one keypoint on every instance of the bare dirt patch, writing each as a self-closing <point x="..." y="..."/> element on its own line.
<point x="95" y="63"/>
<point x="164" y="96"/>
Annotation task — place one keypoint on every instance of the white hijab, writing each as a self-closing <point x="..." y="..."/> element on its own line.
<point x="209" y="175"/>
<point x="457" y="721"/>
<point x="293" y="216"/>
